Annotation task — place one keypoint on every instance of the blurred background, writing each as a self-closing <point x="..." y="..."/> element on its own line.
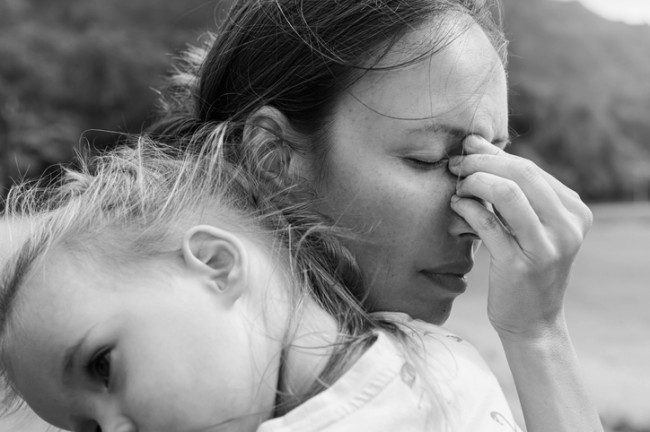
<point x="76" y="71"/>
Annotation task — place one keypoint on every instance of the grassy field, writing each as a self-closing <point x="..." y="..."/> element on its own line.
<point x="607" y="310"/>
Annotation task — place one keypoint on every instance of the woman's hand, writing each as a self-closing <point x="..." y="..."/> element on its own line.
<point x="533" y="235"/>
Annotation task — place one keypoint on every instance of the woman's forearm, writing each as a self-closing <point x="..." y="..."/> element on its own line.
<point x="553" y="395"/>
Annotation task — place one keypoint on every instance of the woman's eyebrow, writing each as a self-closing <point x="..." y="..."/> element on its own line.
<point x="457" y="132"/>
<point x="440" y="127"/>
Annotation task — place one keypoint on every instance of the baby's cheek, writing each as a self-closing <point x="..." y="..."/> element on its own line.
<point x="161" y="406"/>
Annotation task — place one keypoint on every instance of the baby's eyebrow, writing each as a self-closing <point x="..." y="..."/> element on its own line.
<point x="70" y="359"/>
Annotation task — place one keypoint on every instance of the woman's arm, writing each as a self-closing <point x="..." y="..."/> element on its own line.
<point x="533" y="236"/>
<point x="549" y="382"/>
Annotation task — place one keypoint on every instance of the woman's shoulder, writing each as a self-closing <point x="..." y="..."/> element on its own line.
<point x="447" y="356"/>
<point x="431" y="337"/>
<point x="386" y="390"/>
<point x="459" y="373"/>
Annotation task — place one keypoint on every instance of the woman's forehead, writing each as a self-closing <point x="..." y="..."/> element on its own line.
<point x="465" y="82"/>
<point x="466" y="60"/>
<point x="434" y="36"/>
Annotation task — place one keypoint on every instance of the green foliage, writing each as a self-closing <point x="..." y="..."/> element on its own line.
<point x="73" y="68"/>
<point x="581" y="97"/>
<point x="70" y="68"/>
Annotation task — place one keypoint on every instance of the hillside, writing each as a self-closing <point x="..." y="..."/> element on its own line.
<point x="79" y="67"/>
<point x="581" y="96"/>
<point x="580" y="84"/>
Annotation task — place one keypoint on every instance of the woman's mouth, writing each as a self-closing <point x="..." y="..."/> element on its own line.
<point x="452" y="282"/>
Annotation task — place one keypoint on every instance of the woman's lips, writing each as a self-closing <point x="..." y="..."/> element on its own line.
<point x="456" y="283"/>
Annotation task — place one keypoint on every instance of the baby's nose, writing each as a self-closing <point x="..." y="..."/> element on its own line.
<point x="116" y="423"/>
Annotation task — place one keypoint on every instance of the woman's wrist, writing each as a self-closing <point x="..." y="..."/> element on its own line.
<point x="551" y="389"/>
<point x="544" y="333"/>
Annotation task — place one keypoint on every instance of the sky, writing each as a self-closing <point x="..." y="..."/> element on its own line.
<point x="630" y="11"/>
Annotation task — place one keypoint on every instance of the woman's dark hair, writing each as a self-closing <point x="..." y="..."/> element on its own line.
<point x="299" y="55"/>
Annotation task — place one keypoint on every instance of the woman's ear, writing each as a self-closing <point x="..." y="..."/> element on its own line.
<point x="273" y="143"/>
<point x="220" y="258"/>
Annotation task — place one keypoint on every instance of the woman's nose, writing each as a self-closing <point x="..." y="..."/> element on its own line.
<point x="460" y="228"/>
<point x="457" y="225"/>
<point x="121" y="427"/>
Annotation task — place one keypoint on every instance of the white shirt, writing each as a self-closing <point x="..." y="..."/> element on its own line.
<point x="383" y="392"/>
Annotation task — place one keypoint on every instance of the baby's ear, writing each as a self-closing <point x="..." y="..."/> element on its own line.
<point x="219" y="257"/>
<point x="274" y="145"/>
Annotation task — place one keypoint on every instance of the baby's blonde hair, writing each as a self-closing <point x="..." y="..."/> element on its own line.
<point x="132" y="204"/>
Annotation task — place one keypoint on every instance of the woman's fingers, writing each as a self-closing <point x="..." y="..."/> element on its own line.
<point x="572" y="201"/>
<point x="547" y="194"/>
<point x="511" y="203"/>
<point x="476" y="144"/>
<point x="486" y="224"/>
<point x="525" y="174"/>
<point x="533" y="235"/>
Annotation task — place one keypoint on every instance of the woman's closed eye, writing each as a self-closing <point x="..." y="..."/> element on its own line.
<point x="99" y="367"/>
<point x="424" y="163"/>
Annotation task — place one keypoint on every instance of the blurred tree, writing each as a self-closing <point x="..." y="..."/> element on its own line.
<point x="580" y="96"/>
<point x="72" y="69"/>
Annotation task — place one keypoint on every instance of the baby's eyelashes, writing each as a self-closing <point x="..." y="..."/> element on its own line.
<point x="99" y="367"/>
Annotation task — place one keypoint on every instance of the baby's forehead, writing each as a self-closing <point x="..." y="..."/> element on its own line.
<point x="13" y="233"/>
<point x="14" y="237"/>
<point x="39" y="275"/>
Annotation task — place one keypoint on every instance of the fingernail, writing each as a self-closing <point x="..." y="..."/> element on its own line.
<point x="455" y="198"/>
<point x="455" y="160"/>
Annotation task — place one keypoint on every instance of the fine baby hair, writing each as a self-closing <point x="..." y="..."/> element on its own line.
<point x="137" y="199"/>
<point x="124" y="210"/>
<point x="192" y="298"/>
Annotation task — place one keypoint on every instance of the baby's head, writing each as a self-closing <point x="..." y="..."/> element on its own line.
<point x="152" y="295"/>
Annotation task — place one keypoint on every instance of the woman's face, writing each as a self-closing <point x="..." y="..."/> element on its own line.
<point x="90" y="349"/>
<point x="386" y="176"/>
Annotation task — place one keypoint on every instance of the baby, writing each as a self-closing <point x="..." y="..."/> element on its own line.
<point x="160" y="291"/>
